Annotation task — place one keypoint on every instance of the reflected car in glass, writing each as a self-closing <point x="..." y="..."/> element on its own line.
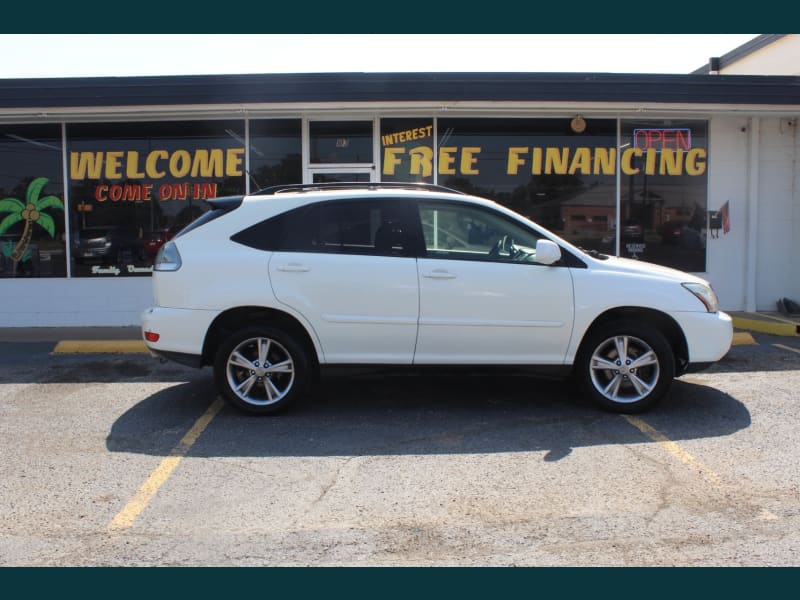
<point x="107" y="245"/>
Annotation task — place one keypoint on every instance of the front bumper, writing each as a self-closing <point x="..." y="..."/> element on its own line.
<point x="708" y="335"/>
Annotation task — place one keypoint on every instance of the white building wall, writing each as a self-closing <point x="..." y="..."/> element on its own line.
<point x="781" y="57"/>
<point x="74" y="302"/>
<point x="726" y="255"/>
<point x="777" y="264"/>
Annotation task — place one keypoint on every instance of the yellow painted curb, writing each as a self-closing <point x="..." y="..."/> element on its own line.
<point x="742" y="338"/>
<point x="100" y="347"/>
<point x="772" y="327"/>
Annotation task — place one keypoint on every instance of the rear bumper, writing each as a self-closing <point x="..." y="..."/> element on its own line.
<point x="181" y="332"/>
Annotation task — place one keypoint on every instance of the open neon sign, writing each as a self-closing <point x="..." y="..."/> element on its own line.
<point x="662" y="139"/>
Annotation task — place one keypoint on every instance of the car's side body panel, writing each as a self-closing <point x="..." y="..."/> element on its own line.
<point x="475" y="312"/>
<point x="364" y="308"/>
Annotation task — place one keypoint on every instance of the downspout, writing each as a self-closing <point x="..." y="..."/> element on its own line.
<point x="751" y="238"/>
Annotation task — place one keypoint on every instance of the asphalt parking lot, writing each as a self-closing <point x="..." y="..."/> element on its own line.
<point x="118" y="459"/>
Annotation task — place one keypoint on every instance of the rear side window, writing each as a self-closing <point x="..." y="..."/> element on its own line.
<point x="373" y="227"/>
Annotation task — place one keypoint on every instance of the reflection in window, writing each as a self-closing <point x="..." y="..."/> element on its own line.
<point x="566" y="181"/>
<point x="133" y="186"/>
<point x="275" y="152"/>
<point x="538" y="167"/>
<point x="340" y="142"/>
<point x="32" y="240"/>
<point x="664" y="191"/>
<point x="465" y="233"/>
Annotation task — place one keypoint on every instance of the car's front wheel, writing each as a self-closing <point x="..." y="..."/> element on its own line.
<point x="261" y="369"/>
<point x="626" y="366"/>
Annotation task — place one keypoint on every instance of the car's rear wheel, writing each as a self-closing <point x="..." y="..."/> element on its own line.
<point x="626" y="366"/>
<point x="261" y="369"/>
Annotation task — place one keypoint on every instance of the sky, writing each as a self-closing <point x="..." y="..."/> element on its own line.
<point x="74" y="55"/>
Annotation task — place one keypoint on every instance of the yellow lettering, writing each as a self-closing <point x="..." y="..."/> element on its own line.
<point x="132" y="166"/>
<point x="468" y="160"/>
<point x="555" y="160"/>
<point x="114" y="164"/>
<point x="696" y="161"/>
<point x="150" y="166"/>
<point x="605" y="161"/>
<point x="207" y="163"/>
<point x="180" y="163"/>
<point x="671" y="162"/>
<point x="514" y="159"/>
<point x="581" y="161"/>
<point x="82" y="164"/>
<point x="650" y="161"/>
<point x="233" y="162"/>
<point x="446" y="160"/>
<point x="536" y="162"/>
<point x="391" y="160"/>
<point x="421" y="161"/>
<point x="627" y="158"/>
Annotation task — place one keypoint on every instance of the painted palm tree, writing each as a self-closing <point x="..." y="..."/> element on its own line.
<point x="32" y="212"/>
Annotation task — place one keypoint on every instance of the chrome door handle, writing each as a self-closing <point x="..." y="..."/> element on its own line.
<point x="293" y="268"/>
<point x="439" y="274"/>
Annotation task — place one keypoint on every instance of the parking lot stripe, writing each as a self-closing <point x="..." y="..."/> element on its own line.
<point x="742" y="338"/>
<point x="762" y="514"/>
<point x="674" y="449"/>
<point x="789" y="348"/>
<point x="100" y="347"/>
<point x="159" y="476"/>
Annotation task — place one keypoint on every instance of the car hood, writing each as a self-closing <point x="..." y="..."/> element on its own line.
<point x="639" y="267"/>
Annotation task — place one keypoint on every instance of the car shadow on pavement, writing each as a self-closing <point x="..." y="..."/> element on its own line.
<point x="404" y="415"/>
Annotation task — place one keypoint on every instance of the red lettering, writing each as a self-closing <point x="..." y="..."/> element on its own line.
<point x="684" y="138"/>
<point x="101" y="193"/>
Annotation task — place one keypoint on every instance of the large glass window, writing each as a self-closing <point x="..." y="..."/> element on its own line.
<point x="542" y="168"/>
<point x="133" y="186"/>
<point x="664" y="190"/>
<point x="32" y="240"/>
<point x="407" y="150"/>
<point x="562" y="174"/>
<point x="461" y="232"/>
<point x="340" y="142"/>
<point x="275" y="152"/>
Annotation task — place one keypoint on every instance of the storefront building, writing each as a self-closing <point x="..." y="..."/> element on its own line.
<point x="696" y="172"/>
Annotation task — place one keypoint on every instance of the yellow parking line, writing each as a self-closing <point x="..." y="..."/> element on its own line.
<point x="742" y="338"/>
<point x="674" y="449"/>
<point x="159" y="476"/>
<point x="789" y="348"/>
<point x="682" y="455"/>
<point x="100" y="346"/>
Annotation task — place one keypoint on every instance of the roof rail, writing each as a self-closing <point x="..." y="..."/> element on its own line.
<point x="344" y="185"/>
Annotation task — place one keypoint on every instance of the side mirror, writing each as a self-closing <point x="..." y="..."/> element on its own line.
<point x="547" y="252"/>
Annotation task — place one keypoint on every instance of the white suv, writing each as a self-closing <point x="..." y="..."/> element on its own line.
<point x="272" y="287"/>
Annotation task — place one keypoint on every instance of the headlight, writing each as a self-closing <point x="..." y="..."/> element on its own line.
<point x="705" y="294"/>
<point x="168" y="258"/>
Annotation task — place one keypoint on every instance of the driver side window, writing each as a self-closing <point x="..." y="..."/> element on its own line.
<point x="461" y="232"/>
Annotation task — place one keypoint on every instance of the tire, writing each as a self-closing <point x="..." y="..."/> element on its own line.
<point x="634" y="382"/>
<point x="247" y="384"/>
